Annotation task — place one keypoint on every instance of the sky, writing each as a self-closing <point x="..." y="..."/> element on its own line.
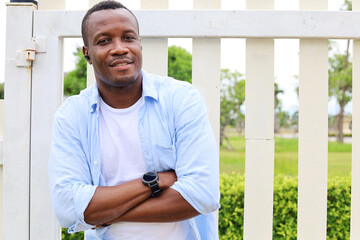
<point x="232" y="50"/>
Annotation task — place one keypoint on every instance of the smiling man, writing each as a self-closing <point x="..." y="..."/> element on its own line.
<point x="132" y="157"/>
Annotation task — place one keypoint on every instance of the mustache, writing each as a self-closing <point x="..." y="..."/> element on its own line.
<point x="126" y="59"/>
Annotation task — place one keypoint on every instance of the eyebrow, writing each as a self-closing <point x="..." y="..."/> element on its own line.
<point x="100" y="35"/>
<point x="108" y="34"/>
<point x="131" y="31"/>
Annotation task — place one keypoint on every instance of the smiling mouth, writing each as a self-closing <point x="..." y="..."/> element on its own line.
<point x="120" y="64"/>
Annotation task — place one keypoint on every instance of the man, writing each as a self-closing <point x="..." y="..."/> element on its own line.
<point x="132" y="157"/>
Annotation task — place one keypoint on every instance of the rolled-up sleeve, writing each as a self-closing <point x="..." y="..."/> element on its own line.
<point x="197" y="157"/>
<point x="70" y="181"/>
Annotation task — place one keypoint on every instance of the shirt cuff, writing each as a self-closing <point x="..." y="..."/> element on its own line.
<point x="80" y="226"/>
<point x="83" y="196"/>
<point x="199" y="196"/>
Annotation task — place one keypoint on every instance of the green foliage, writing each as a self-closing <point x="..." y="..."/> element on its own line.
<point x="231" y="99"/>
<point x="75" y="80"/>
<point x="232" y="96"/>
<point x="277" y="101"/>
<point x="338" y="208"/>
<point x="340" y="83"/>
<point x="76" y="236"/>
<point x="179" y="64"/>
<point x="347" y="5"/>
<point x="285" y="208"/>
<point x="231" y="213"/>
<point x="283" y="118"/>
<point x="1" y="90"/>
<point x="340" y="78"/>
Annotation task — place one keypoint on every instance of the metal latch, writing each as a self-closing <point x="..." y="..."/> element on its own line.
<point x="25" y="57"/>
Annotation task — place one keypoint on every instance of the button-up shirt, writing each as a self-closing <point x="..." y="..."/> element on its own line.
<point x="174" y="133"/>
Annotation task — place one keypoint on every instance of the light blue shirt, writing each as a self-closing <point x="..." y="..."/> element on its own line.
<point x="174" y="134"/>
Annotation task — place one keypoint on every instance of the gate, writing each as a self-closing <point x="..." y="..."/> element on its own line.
<point x="34" y="85"/>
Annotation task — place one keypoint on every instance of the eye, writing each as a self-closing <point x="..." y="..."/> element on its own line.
<point x="129" y="38"/>
<point x="103" y="41"/>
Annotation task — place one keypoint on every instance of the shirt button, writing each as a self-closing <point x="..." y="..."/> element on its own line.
<point x="95" y="163"/>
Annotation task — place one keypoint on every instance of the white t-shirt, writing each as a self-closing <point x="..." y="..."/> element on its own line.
<point x="121" y="161"/>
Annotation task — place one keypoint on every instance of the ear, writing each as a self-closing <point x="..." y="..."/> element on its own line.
<point x="86" y="54"/>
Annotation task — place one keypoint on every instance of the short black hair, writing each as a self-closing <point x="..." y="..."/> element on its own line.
<point x="104" y="5"/>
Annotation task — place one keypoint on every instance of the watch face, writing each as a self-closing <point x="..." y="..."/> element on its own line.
<point x="150" y="176"/>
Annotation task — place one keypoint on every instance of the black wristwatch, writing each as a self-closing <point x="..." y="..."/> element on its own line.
<point x="151" y="179"/>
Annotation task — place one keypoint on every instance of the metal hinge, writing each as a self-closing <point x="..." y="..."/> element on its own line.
<point x="25" y="57"/>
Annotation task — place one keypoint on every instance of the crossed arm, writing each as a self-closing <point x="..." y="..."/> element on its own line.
<point x="131" y="202"/>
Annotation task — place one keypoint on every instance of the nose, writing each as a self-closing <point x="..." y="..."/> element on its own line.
<point x="119" y="48"/>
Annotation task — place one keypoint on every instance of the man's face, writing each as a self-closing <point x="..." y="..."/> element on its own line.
<point x="114" y="47"/>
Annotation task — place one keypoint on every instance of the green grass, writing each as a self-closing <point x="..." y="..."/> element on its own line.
<point x="286" y="157"/>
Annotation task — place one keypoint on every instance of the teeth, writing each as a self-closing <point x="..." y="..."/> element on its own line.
<point x="121" y="64"/>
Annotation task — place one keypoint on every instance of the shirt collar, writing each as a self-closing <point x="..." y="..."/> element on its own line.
<point x="149" y="90"/>
<point x="148" y="85"/>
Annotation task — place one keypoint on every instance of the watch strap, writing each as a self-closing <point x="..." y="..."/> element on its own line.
<point x="155" y="190"/>
<point x="152" y="184"/>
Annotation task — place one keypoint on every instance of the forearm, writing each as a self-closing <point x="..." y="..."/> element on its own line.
<point x="170" y="206"/>
<point x="108" y="203"/>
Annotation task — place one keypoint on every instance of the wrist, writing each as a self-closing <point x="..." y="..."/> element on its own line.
<point x="151" y="179"/>
<point x="166" y="179"/>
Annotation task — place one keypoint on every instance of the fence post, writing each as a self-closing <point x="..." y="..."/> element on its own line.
<point x="155" y="50"/>
<point x="313" y="133"/>
<point x="46" y="97"/>
<point x="206" y="52"/>
<point x="1" y="162"/>
<point x="259" y="133"/>
<point x="17" y="121"/>
<point x="355" y="167"/>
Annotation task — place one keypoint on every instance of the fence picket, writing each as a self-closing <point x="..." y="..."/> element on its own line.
<point x="355" y="181"/>
<point x="313" y="139"/>
<point x="16" y="201"/>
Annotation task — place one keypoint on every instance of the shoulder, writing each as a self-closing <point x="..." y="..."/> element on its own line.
<point x="77" y="104"/>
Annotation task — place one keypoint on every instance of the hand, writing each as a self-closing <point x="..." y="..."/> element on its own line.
<point x="167" y="179"/>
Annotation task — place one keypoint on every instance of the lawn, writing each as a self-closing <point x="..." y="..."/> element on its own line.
<point x="286" y="157"/>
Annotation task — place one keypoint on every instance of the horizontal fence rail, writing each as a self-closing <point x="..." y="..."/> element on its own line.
<point x="215" y="23"/>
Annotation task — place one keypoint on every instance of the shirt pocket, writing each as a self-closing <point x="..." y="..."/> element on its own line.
<point x="166" y="157"/>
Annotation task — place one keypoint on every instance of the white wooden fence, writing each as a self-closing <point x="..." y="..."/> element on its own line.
<point x="34" y="91"/>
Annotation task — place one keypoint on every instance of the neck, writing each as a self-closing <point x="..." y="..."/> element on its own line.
<point x="120" y="97"/>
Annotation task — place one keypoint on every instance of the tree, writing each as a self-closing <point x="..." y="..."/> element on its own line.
<point x="179" y="64"/>
<point x="232" y="97"/>
<point x="340" y="81"/>
<point x="340" y="87"/>
<point x="280" y="116"/>
<point x="75" y="80"/>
